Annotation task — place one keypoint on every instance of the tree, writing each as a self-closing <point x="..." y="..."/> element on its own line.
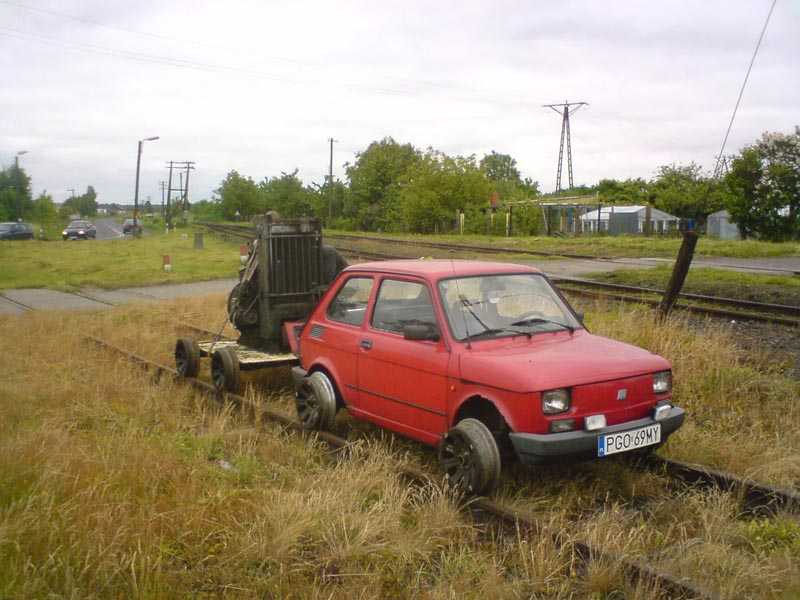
<point x="12" y="181"/>
<point x="288" y="196"/>
<point x="373" y="181"/>
<point x="238" y="194"/>
<point x="762" y="188"/>
<point x="629" y="191"/>
<point x="435" y="188"/>
<point x="685" y="191"/>
<point x="500" y="168"/>
<point x="44" y="210"/>
<point x="84" y="205"/>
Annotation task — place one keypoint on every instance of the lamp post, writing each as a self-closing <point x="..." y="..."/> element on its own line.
<point x="19" y="183"/>
<point x="136" y="192"/>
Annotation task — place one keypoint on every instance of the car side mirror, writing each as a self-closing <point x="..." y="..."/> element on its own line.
<point x="580" y="316"/>
<point x="421" y="331"/>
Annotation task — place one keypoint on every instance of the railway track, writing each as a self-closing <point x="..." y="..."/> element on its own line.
<point x="715" y="306"/>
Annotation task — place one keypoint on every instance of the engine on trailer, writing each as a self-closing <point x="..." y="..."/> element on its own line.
<point x="287" y="270"/>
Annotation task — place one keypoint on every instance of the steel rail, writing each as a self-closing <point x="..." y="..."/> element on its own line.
<point x="671" y="585"/>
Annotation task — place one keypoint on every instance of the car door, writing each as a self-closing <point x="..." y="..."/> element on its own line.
<point x="402" y="383"/>
<point x="332" y="338"/>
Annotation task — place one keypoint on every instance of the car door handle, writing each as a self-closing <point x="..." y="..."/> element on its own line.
<point x="366" y="344"/>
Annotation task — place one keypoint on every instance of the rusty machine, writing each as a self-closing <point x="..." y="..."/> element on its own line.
<point x="287" y="270"/>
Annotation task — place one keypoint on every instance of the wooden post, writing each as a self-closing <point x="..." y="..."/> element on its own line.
<point x="679" y="271"/>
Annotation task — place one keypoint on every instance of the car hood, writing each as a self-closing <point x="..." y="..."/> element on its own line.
<point x="76" y="228"/>
<point x="553" y="360"/>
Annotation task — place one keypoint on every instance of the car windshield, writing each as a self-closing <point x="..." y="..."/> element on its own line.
<point x="501" y="305"/>
<point x="78" y="224"/>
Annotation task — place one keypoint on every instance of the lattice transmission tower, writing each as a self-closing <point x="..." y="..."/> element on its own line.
<point x="564" y="111"/>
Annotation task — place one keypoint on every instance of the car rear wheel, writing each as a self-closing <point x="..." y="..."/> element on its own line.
<point x="225" y="370"/>
<point x="470" y="458"/>
<point x="316" y="403"/>
<point x="187" y="357"/>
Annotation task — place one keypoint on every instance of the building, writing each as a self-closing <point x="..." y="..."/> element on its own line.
<point x="627" y="219"/>
<point x="719" y="225"/>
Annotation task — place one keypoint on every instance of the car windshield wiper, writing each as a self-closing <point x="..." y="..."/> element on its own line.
<point x="494" y="330"/>
<point x="533" y="320"/>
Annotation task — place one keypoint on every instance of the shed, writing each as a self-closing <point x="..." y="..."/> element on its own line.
<point x="627" y="219"/>
<point x="719" y="225"/>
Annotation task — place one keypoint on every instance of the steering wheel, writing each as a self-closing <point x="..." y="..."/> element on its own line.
<point x="527" y="315"/>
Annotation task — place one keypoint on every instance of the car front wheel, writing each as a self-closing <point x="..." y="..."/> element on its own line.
<point x="470" y="458"/>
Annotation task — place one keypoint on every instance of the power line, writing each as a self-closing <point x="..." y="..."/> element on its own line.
<point x="741" y="90"/>
<point x="461" y="93"/>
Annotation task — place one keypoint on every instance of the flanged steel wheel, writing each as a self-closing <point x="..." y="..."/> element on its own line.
<point x="316" y="403"/>
<point x="225" y="370"/>
<point x="187" y="357"/>
<point x="470" y="458"/>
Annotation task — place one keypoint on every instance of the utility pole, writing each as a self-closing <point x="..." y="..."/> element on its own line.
<point x="330" y="182"/>
<point x="189" y="167"/>
<point x="564" y="111"/>
<point x="136" y="192"/>
<point x="163" y="185"/>
<point x="18" y="177"/>
<point x="169" y="192"/>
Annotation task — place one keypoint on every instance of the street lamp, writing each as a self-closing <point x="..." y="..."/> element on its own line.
<point x="19" y="183"/>
<point x="136" y="193"/>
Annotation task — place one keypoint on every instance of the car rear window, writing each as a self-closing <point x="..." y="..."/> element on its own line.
<point x="350" y="304"/>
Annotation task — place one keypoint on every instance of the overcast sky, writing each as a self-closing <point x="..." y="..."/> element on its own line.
<point x="259" y="86"/>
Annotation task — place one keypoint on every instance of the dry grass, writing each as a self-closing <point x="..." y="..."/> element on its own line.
<point x="114" y="486"/>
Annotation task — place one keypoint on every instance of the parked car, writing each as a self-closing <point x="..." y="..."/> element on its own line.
<point x="485" y="361"/>
<point x="79" y="230"/>
<point x="128" y="226"/>
<point x="16" y="231"/>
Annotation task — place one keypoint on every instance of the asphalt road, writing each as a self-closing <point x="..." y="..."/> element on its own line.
<point x="108" y="229"/>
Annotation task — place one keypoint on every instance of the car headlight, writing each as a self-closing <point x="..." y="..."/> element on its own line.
<point x="81" y="232"/>
<point x="555" y="401"/>
<point x="64" y="232"/>
<point x="662" y="382"/>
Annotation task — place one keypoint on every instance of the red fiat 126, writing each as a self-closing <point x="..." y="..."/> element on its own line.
<point x="485" y="361"/>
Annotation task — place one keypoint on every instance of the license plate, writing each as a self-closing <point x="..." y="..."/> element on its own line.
<point x="611" y="443"/>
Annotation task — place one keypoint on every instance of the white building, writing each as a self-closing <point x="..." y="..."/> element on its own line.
<point x="628" y="219"/>
<point x="719" y="225"/>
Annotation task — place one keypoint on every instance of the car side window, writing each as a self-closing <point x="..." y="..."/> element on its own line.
<point x="402" y="303"/>
<point x="350" y="304"/>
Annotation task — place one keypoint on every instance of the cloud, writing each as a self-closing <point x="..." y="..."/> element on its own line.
<point x="259" y="87"/>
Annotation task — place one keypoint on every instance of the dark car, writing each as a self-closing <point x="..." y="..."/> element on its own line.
<point x="16" y="231"/>
<point x="79" y="230"/>
<point x="128" y="226"/>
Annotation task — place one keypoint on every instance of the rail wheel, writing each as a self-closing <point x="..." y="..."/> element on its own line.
<point x="225" y="370"/>
<point x="316" y="403"/>
<point x="187" y="357"/>
<point x="470" y="458"/>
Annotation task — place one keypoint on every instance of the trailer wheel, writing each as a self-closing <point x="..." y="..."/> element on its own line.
<point x="316" y="403"/>
<point x="187" y="357"/>
<point x="225" y="370"/>
<point x="470" y="458"/>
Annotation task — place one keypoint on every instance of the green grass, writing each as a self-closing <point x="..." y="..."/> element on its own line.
<point x="778" y="289"/>
<point x="114" y="263"/>
<point x="611" y="246"/>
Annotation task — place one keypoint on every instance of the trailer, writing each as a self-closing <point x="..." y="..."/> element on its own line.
<point x="287" y="271"/>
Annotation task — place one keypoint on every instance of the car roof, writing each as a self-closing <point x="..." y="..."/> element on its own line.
<point x="438" y="269"/>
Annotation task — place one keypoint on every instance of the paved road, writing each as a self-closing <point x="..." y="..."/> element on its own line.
<point x="14" y="302"/>
<point x="108" y="229"/>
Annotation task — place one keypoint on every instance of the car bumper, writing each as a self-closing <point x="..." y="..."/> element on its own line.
<point x="534" y="448"/>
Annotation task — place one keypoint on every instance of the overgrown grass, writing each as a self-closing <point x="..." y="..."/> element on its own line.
<point x="115" y="263"/>
<point x="115" y="486"/>
<point x="720" y="282"/>
<point x="612" y="246"/>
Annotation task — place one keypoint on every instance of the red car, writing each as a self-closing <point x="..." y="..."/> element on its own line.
<point x="485" y="361"/>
